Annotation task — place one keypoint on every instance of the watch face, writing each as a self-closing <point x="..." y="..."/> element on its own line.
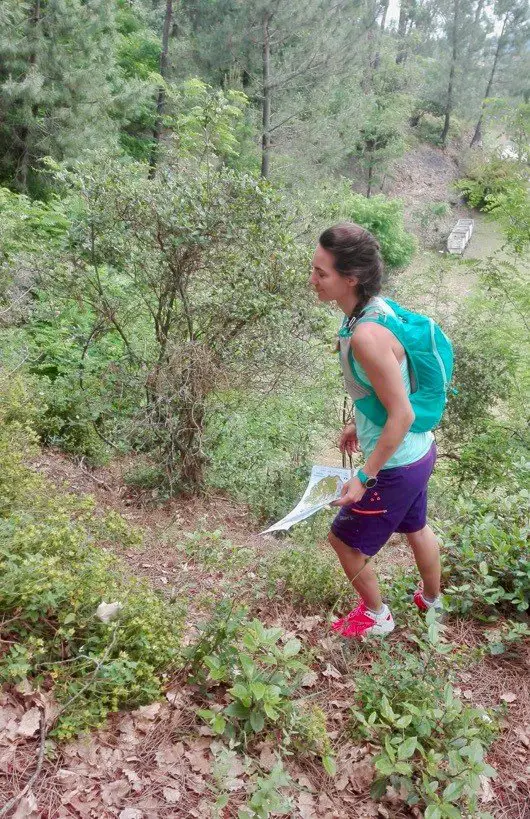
<point x="370" y="483"/>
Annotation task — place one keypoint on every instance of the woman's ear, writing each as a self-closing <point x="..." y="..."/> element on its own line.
<point x="353" y="281"/>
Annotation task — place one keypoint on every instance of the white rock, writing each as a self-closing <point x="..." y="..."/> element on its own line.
<point x="108" y="611"/>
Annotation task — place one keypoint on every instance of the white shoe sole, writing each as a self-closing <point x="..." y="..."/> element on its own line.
<point x="385" y="627"/>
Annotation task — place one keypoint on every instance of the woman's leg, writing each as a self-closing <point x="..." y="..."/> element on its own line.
<point x="359" y="572"/>
<point x="427" y="557"/>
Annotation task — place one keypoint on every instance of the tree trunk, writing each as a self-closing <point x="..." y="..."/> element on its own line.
<point x="266" y="112"/>
<point x="376" y="62"/>
<point x="450" y="88"/>
<point x="386" y="4"/>
<point x="161" y="97"/>
<point x="477" y="136"/>
<point x="370" y="179"/>
<point x="25" y="135"/>
<point x="404" y="14"/>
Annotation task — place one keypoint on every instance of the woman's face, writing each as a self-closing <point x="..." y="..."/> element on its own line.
<point x="328" y="284"/>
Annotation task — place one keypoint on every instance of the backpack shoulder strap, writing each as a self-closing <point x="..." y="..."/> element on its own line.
<point x="379" y="312"/>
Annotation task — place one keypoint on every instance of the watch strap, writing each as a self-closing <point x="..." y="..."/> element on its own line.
<point x="368" y="481"/>
<point x="363" y="477"/>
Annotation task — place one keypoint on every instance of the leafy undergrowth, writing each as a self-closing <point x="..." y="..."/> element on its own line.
<point x="247" y="706"/>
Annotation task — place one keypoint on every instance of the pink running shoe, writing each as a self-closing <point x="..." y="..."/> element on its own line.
<point x="425" y="605"/>
<point x="361" y="622"/>
<point x="338" y="625"/>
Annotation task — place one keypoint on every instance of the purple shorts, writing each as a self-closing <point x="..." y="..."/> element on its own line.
<point x="397" y="504"/>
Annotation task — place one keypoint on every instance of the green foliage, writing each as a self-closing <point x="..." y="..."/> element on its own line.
<point x="381" y="216"/>
<point x="430" y="127"/>
<point x="308" y="574"/>
<point x="17" y="441"/>
<point x="74" y="378"/>
<point x="30" y="230"/>
<point x="385" y="108"/>
<point x="432" y="744"/>
<point x="511" y="207"/>
<point x="508" y="634"/>
<point x="53" y="578"/>
<point x="57" y="70"/>
<point x="488" y="180"/>
<point x="217" y="638"/>
<point x="484" y="428"/>
<point x="308" y="734"/>
<point x="211" y="118"/>
<point x="486" y="554"/>
<point x="267" y="797"/>
<point x="262" y="446"/>
<point x="190" y="298"/>
<point x="431" y="212"/>
<point x="29" y="224"/>
<point x="262" y="675"/>
<point x="265" y="789"/>
<point x="144" y="476"/>
<point x="214" y="551"/>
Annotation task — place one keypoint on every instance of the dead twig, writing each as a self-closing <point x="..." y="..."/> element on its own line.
<point x="16" y="799"/>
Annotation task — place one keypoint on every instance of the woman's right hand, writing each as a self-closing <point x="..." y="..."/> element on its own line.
<point x="348" y="441"/>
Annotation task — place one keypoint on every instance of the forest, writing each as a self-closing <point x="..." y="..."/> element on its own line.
<point x="168" y="378"/>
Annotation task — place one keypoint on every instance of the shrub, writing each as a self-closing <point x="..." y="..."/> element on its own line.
<point x="195" y="279"/>
<point x="215" y="551"/>
<point x="432" y="744"/>
<point x="430" y="126"/>
<point x="381" y="216"/>
<point x="486" y="554"/>
<point x="17" y="441"/>
<point x="262" y="447"/>
<point x="490" y="179"/>
<point x="263" y="672"/>
<point x="53" y="577"/>
<point x="309" y="575"/>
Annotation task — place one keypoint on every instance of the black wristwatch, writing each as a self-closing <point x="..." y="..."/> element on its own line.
<point x="369" y="481"/>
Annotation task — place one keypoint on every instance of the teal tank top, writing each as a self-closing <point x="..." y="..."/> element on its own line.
<point x="414" y="445"/>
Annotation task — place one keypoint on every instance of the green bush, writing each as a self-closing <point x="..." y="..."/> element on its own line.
<point x="430" y="127"/>
<point x="262" y="447"/>
<point x="432" y="744"/>
<point x="53" y="578"/>
<point x="490" y="179"/>
<point x="309" y="575"/>
<point x="264" y="673"/>
<point x="216" y="552"/>
<point x="17" y="441"/>
<point x="486" y="555"/>
<point x="381" y="216"/>
<point x="145" y="476"/>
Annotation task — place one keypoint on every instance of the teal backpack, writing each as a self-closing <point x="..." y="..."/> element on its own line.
<point x="430" y="360"/>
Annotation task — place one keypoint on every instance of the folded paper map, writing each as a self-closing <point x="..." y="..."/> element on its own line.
<point x="325" y="485"/>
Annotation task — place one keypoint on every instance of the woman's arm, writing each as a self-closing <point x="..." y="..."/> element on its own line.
<point x="372" y="348"/>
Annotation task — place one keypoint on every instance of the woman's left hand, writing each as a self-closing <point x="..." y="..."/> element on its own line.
<point x="352" y="492"/>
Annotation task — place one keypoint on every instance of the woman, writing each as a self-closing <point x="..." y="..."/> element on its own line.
<point x="389" y="493"/>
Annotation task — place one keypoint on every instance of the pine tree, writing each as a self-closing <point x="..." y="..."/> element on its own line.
<point x="59" y="84"/>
